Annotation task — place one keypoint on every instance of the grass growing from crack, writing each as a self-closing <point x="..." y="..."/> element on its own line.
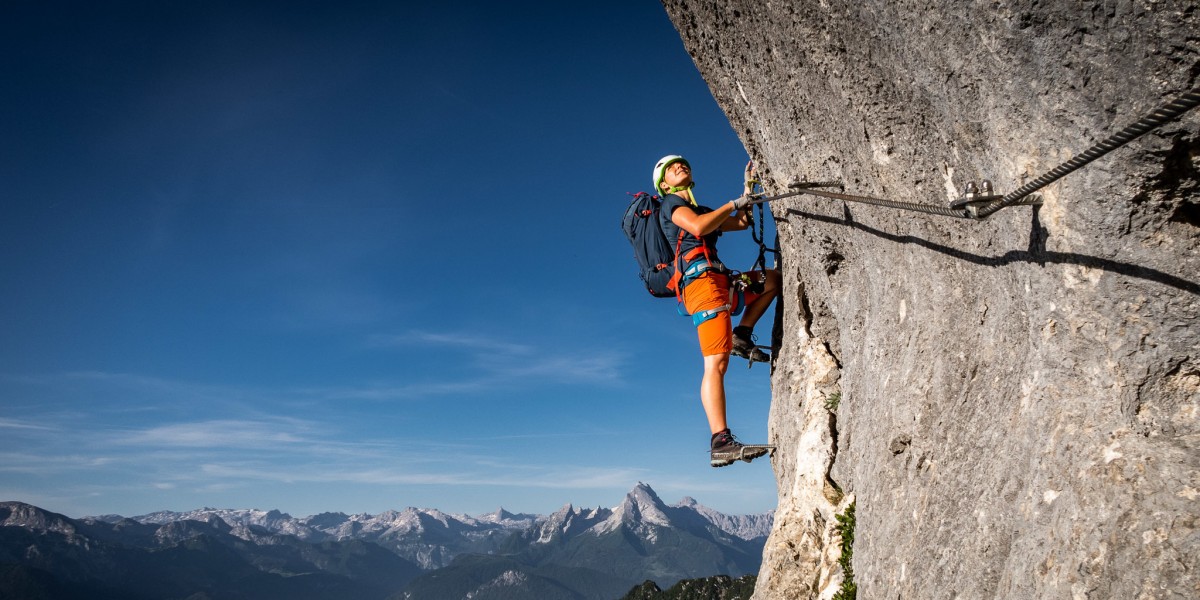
<point x="845" y="528"/>
<point x="832" y="401"/>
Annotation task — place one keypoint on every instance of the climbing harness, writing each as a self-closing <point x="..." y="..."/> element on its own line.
<point x="690" y="267"/>
<point x="707" y="315"/>
<point x="735" y="308"/>
<point x="697" y="269"/>
<point x="700" y="267"/>
<point x="978" y="202"/>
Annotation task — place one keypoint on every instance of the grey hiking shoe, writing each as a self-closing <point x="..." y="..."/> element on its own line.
<point x="743" y="346"/>
<point x="726" y="449"/>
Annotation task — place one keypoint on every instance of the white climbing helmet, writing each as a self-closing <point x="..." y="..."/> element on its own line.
<point x="660" y="169"/>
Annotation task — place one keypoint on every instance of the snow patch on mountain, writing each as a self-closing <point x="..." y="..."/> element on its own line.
<point x="432" y="538"/>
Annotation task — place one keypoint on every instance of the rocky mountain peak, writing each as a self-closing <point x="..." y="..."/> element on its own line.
<point x="565" y="522"/>
<point x="326" y="520"/>
<point x="642" y="506"/>
<point x="19" y="514"/>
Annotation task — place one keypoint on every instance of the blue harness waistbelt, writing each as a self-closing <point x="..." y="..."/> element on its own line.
<point x="693" y="272"/>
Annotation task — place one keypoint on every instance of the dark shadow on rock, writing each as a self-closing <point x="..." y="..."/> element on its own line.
<point x="1036" y="252"/>
<point x="1037" y="237"/>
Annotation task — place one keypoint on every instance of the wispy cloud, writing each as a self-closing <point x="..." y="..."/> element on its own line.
<point x="221" y="434"/>
<point x="594" y="368"/>
<point x="407" y="391"/>
<point x="332" y="474"/>
<point x="484" y="363"/>
<point x="500" y="362"/>
<point x="469" y="342"/>
<point x="126" y="435"/>
<point x="17" y="424"/>
<point x="293" y="443"/>
<point x="558" y="477"/>
<point x="43" y="464"/>
<point x="223" y="454"/>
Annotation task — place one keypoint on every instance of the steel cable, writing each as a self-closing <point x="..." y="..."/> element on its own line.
<point x="925" y="208"/>
<point x="1151" y="121"/>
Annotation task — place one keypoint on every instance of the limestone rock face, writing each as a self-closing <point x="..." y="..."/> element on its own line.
<point x="1018" y="398"/>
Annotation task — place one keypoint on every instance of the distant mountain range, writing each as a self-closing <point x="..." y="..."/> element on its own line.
<point x="414" y="554"/>
<point x="428" y="537"/>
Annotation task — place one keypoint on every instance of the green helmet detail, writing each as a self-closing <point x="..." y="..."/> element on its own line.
<point x="660" y="171"/>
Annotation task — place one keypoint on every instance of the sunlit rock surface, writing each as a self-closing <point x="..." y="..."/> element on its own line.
<point x="1016" y="398"/>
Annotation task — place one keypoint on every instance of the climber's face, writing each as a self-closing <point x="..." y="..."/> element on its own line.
<point x="678" y="174"/>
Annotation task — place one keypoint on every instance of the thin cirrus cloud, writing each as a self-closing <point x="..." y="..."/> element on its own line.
<point x="495" y="364"/>
<point x="500" y="361"/>
<point x="557" y="477"/>
<point x="23" y="425"/>
<point x="492" y="373"/>
<point x="226" y="434"/>
<point x="295" y="441"/>
<point x="331" y="474"/>
<point x="471" y="343"/>
<point x="290" y="451"/>
<point x="45" y="463"/>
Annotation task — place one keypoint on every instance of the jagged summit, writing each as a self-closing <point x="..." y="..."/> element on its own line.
<point x="641" y="506"/>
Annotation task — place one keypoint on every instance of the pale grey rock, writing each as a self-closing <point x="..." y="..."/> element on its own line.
<point x="1019" y="397"/>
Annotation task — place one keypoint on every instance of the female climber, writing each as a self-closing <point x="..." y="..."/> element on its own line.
<point x="711" y="293"/>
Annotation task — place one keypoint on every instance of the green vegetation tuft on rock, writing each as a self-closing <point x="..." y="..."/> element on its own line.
<point x="832" y="402"/>
<point x="845" y="529"/>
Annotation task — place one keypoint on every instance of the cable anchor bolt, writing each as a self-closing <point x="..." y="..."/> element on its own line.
<point x="975" y="196"/>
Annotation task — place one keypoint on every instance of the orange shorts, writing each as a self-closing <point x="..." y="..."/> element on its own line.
<point x="711" y="290"/>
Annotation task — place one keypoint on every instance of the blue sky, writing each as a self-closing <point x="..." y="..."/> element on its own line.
<point x="350" y="257"/>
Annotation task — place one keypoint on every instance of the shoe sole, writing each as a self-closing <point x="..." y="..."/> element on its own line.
<point x="746" y="355"/>
<point x="748" y="454"/>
